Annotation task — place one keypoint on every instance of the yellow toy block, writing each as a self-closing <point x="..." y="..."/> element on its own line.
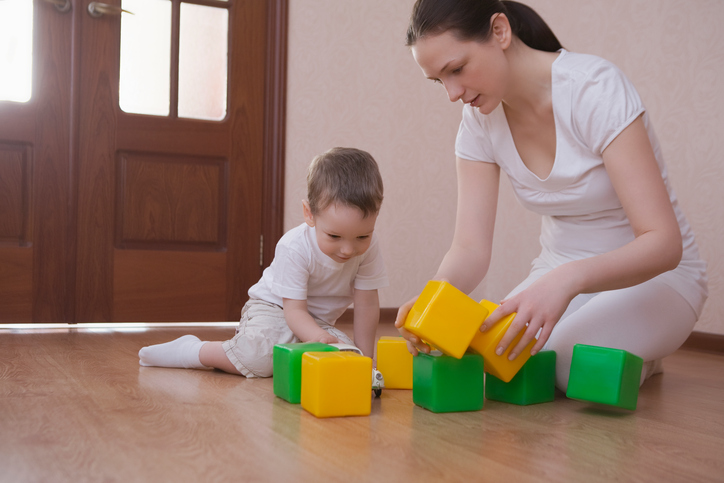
<point x="394" y="361"/>
<point x="485" y="343"/>
<point x="445" y="318"/>
<point x="336" y="384"/>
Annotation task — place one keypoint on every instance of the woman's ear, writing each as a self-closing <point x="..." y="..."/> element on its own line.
<point x="308" y="216"/>
<point x="501" y="31"/>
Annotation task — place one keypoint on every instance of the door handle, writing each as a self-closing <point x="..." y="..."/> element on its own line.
<point x="60" y="5"/>
<point x="98" y="9"/>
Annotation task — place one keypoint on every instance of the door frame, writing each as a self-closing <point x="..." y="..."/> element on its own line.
<point x="274" y="129"/>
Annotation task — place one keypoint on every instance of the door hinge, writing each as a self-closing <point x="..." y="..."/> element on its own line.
<point x="261" y="251"/>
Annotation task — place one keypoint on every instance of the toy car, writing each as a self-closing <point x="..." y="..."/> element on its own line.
<point x="378" y="382"/>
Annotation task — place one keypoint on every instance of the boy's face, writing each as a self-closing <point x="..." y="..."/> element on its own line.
<point x="342" y="232"/>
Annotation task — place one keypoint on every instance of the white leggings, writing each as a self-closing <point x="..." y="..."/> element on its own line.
<point x="650" y="320"/>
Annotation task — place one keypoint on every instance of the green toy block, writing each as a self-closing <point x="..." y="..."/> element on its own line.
<point x="606" y="376"/>
<point x="287" y="366"/>
<point x="444" y="384"/>
<point x="534" y="383"/>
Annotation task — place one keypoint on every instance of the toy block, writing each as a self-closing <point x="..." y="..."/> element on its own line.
<point x="445" y="318"/>
<point x="485" y="343"/>
<point x="287" y="366"/>
<point x="604" y="375"/>
<point x="336" y="384"/>
<point x="394" y="361"/>
<point x="535" y="383"/>
<point x="443" y="384"/>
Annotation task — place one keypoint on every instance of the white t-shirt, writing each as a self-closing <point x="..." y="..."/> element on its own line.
<point x="300" y="271"/>
<point x="593" y="102"/>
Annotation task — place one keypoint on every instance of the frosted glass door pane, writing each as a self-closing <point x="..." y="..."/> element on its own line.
<point x="16" y="50"/>
<point x="203" y="47"/>
<point x="146" y="57"/>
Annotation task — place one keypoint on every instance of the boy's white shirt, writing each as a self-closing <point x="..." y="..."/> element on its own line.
<point x="300" y="271"/>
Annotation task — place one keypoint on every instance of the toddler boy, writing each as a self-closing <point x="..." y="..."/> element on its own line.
<point x="320" y="267"/>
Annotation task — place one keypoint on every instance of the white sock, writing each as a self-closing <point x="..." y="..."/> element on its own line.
<point x="182" y="352"/>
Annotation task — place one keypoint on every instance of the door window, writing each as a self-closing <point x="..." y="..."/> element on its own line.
<point x="146" y="57"/>
<point x="202" y="62"/>
<point x="150" y="75"/>
<point x="16" y="50"/>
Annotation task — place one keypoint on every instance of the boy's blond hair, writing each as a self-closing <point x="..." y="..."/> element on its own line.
<point x="344" y="175"/>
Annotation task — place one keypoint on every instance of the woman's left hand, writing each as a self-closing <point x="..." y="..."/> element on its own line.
<point x="538" y="307"/>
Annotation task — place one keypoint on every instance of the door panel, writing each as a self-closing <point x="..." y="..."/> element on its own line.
<point x="15" y="193"/>
<point x="16" y="283"/>
<point x="111" y="216"/>
<point x="171" y="202"/>
<point x="166" y="287"/>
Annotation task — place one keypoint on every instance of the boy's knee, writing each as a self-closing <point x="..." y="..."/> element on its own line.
<point x="261" y="367"/>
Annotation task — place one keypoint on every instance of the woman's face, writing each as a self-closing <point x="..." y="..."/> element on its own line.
<point x="471" y="71"/>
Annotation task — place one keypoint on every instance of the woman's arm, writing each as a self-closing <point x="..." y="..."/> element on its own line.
<point x="657" y="247"/>
<point x="303" y="325"/>
<point x="468" y="259"/>
<point x="366" y="320"/>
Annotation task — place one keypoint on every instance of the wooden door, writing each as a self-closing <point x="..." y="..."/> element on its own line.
<point x="133" y="217"/>
<point x="36" y="214"/>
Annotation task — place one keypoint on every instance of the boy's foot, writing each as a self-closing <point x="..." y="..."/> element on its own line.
<point x="182" y="352"/>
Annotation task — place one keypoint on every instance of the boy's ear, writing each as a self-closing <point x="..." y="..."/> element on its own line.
<point x="308" y="216"/>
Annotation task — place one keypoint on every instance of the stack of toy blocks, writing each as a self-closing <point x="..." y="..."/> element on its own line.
<point x="443" y="384"/>
<point x="485" y="343"/>
<point x="394" y="361"/>
<point x="445" y="318"/>
<point x="604" y="375"/>
<point x="287" y="363"/>
<point x="533" y="384"/>
<point x="336" y="384"/>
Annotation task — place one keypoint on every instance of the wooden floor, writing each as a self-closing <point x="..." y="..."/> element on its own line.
<point x="76" y="406"/>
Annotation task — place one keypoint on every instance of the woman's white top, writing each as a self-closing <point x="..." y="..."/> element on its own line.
<point x="593" y="101"/>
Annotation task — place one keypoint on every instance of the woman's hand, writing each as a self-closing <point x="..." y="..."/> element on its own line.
<point x="538" y="307"/>
<point x="414" y="344"/>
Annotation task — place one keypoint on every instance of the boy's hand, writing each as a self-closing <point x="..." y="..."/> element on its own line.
<point x="325" y="338"/>
<point x="414" y="344"/>
<point x="303" y="325"/>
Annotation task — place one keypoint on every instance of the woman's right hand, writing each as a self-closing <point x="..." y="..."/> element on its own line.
<point x="414" y="344"/>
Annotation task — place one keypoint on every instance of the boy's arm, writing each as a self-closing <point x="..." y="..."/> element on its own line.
<point x="303" y="325"/>
<point x="366" y="319"/>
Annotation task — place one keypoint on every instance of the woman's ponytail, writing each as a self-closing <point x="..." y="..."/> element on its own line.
<point x="529" y="27"/>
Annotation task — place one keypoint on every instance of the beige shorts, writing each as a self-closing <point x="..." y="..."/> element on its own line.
<point x="262" y="327"/>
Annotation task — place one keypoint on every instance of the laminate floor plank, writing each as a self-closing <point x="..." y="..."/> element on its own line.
<point x="76" y="406"/>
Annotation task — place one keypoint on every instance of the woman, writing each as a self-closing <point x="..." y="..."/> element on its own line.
<point x="619" y="266"/>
